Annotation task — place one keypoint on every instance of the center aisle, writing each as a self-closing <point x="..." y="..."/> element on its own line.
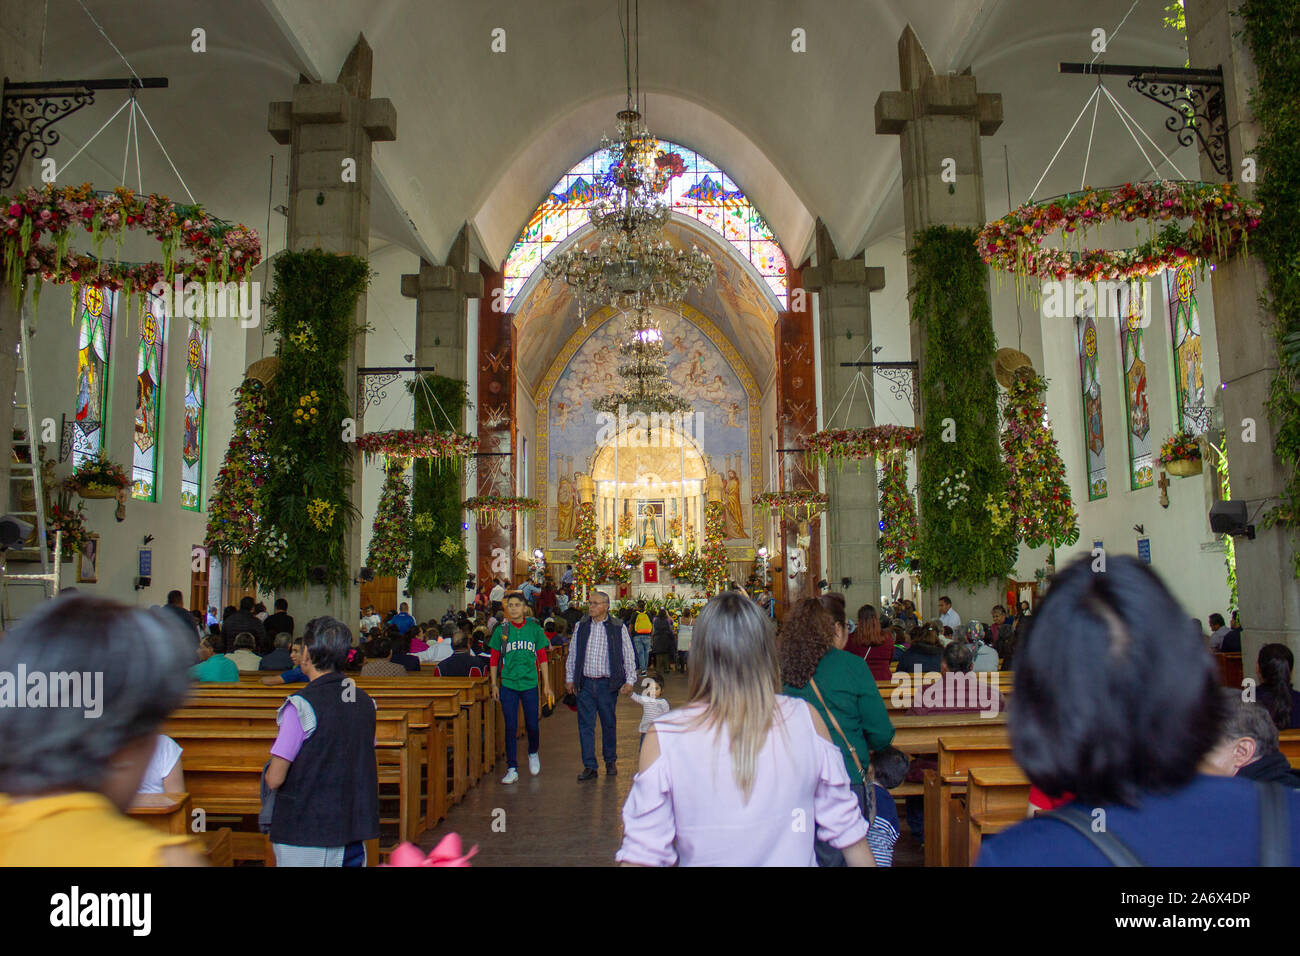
<point x="552" y="819"/>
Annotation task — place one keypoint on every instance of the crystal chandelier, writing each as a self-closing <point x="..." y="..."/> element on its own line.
<point x="646" y="386"/>
<point x="632" y="266"/>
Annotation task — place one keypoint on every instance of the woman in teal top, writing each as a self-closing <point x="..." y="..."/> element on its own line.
<point x="811" y="652"/>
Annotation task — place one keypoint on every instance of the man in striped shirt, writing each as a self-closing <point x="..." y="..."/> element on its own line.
<point x="601" y="657"/>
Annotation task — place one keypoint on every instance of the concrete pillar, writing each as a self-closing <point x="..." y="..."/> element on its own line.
<point x="326" y="125"/>
<point x="22" y="27"/>
<point x="852" y="517"/>
<point x="939" y="121"/>
<point x="1268" y="591"/>
<point x="441" y="295"/>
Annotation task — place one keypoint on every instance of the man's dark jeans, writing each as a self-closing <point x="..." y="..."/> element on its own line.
<point x="597" y="697"/>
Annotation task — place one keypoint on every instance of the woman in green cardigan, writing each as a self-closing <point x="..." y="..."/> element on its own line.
<point x="840" y="686"/>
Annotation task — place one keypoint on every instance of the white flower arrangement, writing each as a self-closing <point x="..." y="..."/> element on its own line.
<point x="953" y="490"/>
<point x="276" y="545"/>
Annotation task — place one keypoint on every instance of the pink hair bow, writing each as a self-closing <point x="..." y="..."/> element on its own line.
<point x="446" y="853"/>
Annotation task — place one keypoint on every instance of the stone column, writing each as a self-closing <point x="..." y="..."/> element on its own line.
<point x="441" y="295"/>
<point x="939" y="118"/>
<point x="1268" y="593"/>
<point x="852" y="517"/>
<point x="325" y="125"/>
<point x="22" y="25"/>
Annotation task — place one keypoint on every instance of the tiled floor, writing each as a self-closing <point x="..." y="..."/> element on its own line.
<point x="551" y="819"/>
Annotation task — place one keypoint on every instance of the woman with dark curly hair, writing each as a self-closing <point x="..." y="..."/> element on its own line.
<point x="839" y="686"/>
<point x="925" y="651"/>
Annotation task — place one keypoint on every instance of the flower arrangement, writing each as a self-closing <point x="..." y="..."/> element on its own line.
<point x="668" y="557"/>
<point x="389" y="553"/>
<point x="631" y="557"/>
<point x="897" y="542"/>
<point x="490" y="507"/>
<point x="713" y="556"/>
<point x="1036" y="506"/>
<point x="1180" y="446"/>
<point x="609" y="568"/>
<point x="675" y="526"/>
<point x="798" y="504"/>
<point x="1221" y="222"/>
<point x="625" y="525"/>
<point x="406" y="443"/>
<point x="73" y="525"/>
<point x="953" y="490"/>
<point x="216" y="250"/>
<point x="234" y="510"/>
<point x="858" y="443"/>
<point x="98" y="477"/>
<point x="308" y="410"/>
<point x="321" y="513"/>
<point x="274" y="544"/>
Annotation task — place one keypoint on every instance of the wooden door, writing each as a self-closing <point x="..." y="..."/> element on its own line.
<point x="199" y="590"/>
<point x="233" y="591"/>
<point x="382" y="593"/>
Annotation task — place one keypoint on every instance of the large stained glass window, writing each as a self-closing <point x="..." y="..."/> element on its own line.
<point x="1185" y="330"/>
<point x="1094" y="438"/>
<point x="1132" y="307"/>
<point x="148" y="400"/>
<point x="196" y="375"/>
<point x="702" y="192"/>
<point x="94" y="334"/>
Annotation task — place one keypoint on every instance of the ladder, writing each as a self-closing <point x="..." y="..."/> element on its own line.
<point x="30" y="470"/>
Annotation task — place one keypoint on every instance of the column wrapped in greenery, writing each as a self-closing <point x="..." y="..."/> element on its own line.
<point x="897" y="513"/>
<point x="1270" y="29"/>
<point x="586" y="566"/>
<point x="237" y="493"/>
<point x="389" y="553"/>
<point x="958" y="542"/>
<point x="438" y="556"/>
<point x="714" y="554"/>
<point x="306" y="506"/>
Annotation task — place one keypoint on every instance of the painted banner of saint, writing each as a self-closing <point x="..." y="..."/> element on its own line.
<point x="735" y="517"/>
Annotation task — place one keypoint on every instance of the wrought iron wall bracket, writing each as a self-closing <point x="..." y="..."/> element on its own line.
<point x="373" y="382"/>
<point x="1195" y="97"/>
<point x="901" y="376"/>
<point x="30" y="111"/>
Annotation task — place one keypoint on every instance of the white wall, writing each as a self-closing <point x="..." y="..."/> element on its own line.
<point x="53" y="371"/>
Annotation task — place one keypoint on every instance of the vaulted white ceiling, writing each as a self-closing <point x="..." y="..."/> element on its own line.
<point x="482" y="136"/>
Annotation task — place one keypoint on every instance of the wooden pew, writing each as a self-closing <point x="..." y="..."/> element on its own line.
<point x="996" y="798"/>
<point x="219" y="846"/>
<point x="945" y="812"/>
<point x="226" y="749"/>
<point x="166" y="812"/>
<point x="1289" y="743"/>
<point x="919" y="734"/>
<point x="1229" y="667"/>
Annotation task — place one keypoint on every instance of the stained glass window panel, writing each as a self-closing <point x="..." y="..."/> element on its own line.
<point x="703" y="192"/>
<point x="1132" y="307"/>
<point x="94" y="335"/>
<point x="196" y="374"/>
<point x="1185" y="333"/>
<point x="1094" y="437"/>
<point x="148" y="400"/>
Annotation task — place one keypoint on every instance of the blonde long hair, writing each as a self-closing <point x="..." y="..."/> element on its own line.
<point x="734" y="673"/>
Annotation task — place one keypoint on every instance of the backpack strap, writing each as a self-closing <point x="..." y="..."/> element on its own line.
<point x="1109" y="845"/>
<point x="1274" y="826"/>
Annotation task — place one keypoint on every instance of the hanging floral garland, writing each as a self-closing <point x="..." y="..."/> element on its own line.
<point x="1221" y="222"/>
<point x="797" y="504"/>
<point x="859" y="443"/>
<point x="490" y="507"/>
<point x="404" y="443"/>
<point x="1037" y="504"/>
<point x="234" y="508"/>
<point x="216" y="250"/>
<point x="898" y="526"/>
<point x="389" y="554"/>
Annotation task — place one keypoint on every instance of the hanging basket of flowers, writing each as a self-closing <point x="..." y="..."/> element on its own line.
<point x="859" y="443"/>
<point x="194" y="244"/>
<point x="1221" y="222"/>
<point x="803" y="505"/>
<point x="490" y="507"/>
<point x="98" y="477"/>
<point x="1181" y="454"/>
<point x="405" y="443"/>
